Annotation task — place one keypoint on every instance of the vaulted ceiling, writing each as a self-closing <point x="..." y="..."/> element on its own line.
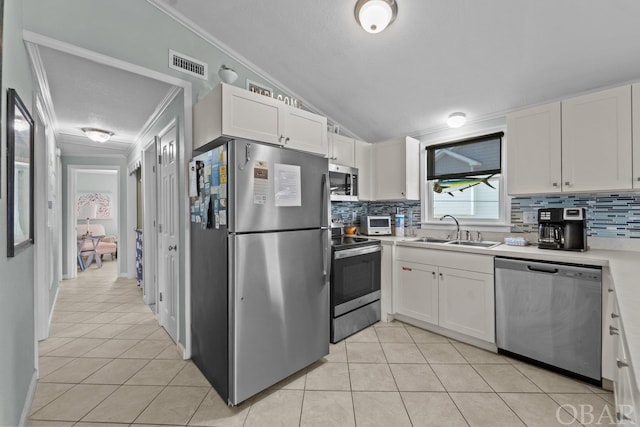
<point x="480" y="57"/>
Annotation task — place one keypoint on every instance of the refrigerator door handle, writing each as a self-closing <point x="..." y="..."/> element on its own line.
<point x="325" y="200"/>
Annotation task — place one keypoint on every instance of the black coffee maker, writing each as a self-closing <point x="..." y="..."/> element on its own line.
<point x="562" y="228"/>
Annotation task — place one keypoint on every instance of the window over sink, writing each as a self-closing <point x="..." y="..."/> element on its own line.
<point x="464" y="178"/>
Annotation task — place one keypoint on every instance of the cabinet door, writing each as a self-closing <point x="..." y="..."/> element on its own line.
<point x="534" y="150"/>
<point x="635" y="99"/>
<point x="467" y="303"/>
<point x="250" y="115"/>
<point x="342" y="150"/>
<point x="596" y="141"/>
<point x="305" y="131"/>
<point x="417" y="291"/>
<point x="363" y="154"/>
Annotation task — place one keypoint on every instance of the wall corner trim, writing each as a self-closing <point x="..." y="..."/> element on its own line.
<point x="26" y="409"/>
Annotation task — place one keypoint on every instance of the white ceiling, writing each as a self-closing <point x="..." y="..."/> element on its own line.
<point x="84" y="93"/>
<point x="480" y="57"/>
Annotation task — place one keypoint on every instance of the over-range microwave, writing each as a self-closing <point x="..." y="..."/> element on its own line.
<point x="343" y="181"/>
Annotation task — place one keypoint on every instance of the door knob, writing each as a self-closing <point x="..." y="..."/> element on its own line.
<point x="173" y="248"/>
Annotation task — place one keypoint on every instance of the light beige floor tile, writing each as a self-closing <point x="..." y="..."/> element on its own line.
<point x="47" y="346"/>
<point x="328" y="376"/>
<point x="402" y="352"/>
<point x="550" y="382"/>
<point x="123" y="405"/>
<point x="134" y="318"/>
<point x="106" y="331"/>
<point x="380" y="409"/>
<point x="130" y="308"/>
<point x="420" y="336"/>
<point x="441" y="353"/>
<point x="171" y="352"/>
<point x="75" y="371"/>
<point x="145" y="350"/>
<point x="360" y="352"/>
<point x="432" y="410"/>
<point x="77" y="347"/>
<point x="327" y="408"/>
<point x="137" y="332"/>
<point x="393" y="335"/>
<point x="190" y="375"/>
<point x="506" y="378"/>
<point x="159" y="334"/>
<point x="104" y="318"/>
<point x="117" y="371"/>
<point x="47" y="365"/>
<point x="391" y="324"/>
<point x="371" y="377"/>
<point x="365" y="335"/>
<point x="75" y="403"/>
<point x="88" y="424"/>
<point x="337" y="352"/>
<point x="415" y="377"/>
<point x="47" y="393"/>
<point x="485" y="409"/>
<point x="158" y="372"/>
<point x="36" y="423"/>
<point x="609" y="397"/>
<point x="538" y="410"/>
<point x="477" y="355"/>
<point x="462" y="378"/>
<point x="75" y="331"/>
<point x="111" y="348"/>
<point x="279" y="407"/>
<point x="174" y="405"/>
<point x="294" y="381"/>
<point x="589" y="409"/>
<point x="215" y="412"/>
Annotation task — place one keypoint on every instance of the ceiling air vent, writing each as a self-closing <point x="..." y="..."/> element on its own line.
<point x="188" y="65"/>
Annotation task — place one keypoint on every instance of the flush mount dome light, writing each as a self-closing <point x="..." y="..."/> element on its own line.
<point x="455" y="120"/>
<point x="97" y="135"/>
<point x="376" y="15"/>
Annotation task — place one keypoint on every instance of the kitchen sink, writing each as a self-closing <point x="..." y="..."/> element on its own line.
<point x="476" y="243"/>
<point x="429" y="240"/>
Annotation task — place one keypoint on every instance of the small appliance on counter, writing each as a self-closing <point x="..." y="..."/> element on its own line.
<point x="375" y="225"/>
<point x="562" y="228"/>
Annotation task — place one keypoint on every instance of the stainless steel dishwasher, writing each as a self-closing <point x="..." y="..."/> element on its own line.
<point x="551" y="314"/>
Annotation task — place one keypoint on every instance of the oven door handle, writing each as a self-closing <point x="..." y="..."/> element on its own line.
<point x="357" y="251"/>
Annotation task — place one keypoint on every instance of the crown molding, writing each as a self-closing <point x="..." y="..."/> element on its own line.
<point x="43" y="85"/>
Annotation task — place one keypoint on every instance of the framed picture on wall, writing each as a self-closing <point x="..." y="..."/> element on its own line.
<point x="20" y="140"/>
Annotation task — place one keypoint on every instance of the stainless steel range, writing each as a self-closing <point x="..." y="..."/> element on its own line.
<point x="355" y="283"/>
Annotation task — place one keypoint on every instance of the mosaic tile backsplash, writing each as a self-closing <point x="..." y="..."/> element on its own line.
<point x="410" y="209"/>
<point x="608" y="215"/>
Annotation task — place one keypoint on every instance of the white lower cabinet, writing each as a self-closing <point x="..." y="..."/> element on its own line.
<point x="452" y="290"/>
<point x="466" y="302"/>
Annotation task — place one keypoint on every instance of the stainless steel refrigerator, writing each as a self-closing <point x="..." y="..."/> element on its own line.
<point x="260" y="260"/>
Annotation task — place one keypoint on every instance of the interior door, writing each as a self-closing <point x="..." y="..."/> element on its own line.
<point x="168" y="231"/>
<point x="150" y="212"/>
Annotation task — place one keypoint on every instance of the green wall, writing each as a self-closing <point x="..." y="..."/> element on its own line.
<point x="17" y="328"/>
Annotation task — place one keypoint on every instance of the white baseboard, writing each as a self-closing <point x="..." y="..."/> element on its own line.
<point x="182" y="350"/>
<point x="53" y="306"/>
<point x="26" y="409"/>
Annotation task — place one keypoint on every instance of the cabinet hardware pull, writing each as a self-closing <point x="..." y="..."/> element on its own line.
<point x="406" y="269"/>
<point x="173" y="248"/>
<point x="567" y="183"/>
<point x="614" y="331"/>
<point x="555" y="184"/>
<point x="610" y="290"/>
<point x="286" y="140"/>
<point x="281" y="138"/>
<point x="621" y="363"/>
<point x="441" y="276"/>
<point x="614" y="316"/>
<point x="434" y="274"/>
<point x="638" y="179"/>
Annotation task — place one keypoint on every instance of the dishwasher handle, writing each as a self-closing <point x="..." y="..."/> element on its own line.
<point x="542" y="270"/>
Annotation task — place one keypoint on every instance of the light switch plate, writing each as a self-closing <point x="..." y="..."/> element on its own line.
<point x="530" y="217"/>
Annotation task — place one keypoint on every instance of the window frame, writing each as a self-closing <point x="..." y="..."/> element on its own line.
<point x="502" y="224"/>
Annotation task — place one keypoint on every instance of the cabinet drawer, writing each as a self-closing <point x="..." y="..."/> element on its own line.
<point x="450" y="259"/>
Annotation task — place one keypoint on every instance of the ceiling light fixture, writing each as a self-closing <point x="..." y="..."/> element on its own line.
<point x="455" y="120"/>
<point x="97" y="135"/>
<point x="227" y="75"/>
<point x="376" y="15"/>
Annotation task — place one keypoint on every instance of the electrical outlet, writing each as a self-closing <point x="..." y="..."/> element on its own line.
<point x="530" y="217"/>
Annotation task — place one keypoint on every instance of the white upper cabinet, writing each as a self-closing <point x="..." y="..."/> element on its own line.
<point x="363" y="159"/>
<point x="596" y="141"/>
<point x="635" y="99"/>
<point x="397" y="169"/>
<point x="534" y="150"/>
<point x="580" y="144"/>
<point x="235" y="112"/>
<point x="342" y="150"/>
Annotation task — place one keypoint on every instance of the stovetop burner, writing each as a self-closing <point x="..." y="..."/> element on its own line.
<point x="344" y="242"/>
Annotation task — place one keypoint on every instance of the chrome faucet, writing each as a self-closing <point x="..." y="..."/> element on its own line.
<point x="457" y="224"/>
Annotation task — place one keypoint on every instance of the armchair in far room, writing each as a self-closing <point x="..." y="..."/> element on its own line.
<point x="107" y="245"/>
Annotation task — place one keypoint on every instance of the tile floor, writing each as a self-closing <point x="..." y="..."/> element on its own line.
<point x="107" y="362"/>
